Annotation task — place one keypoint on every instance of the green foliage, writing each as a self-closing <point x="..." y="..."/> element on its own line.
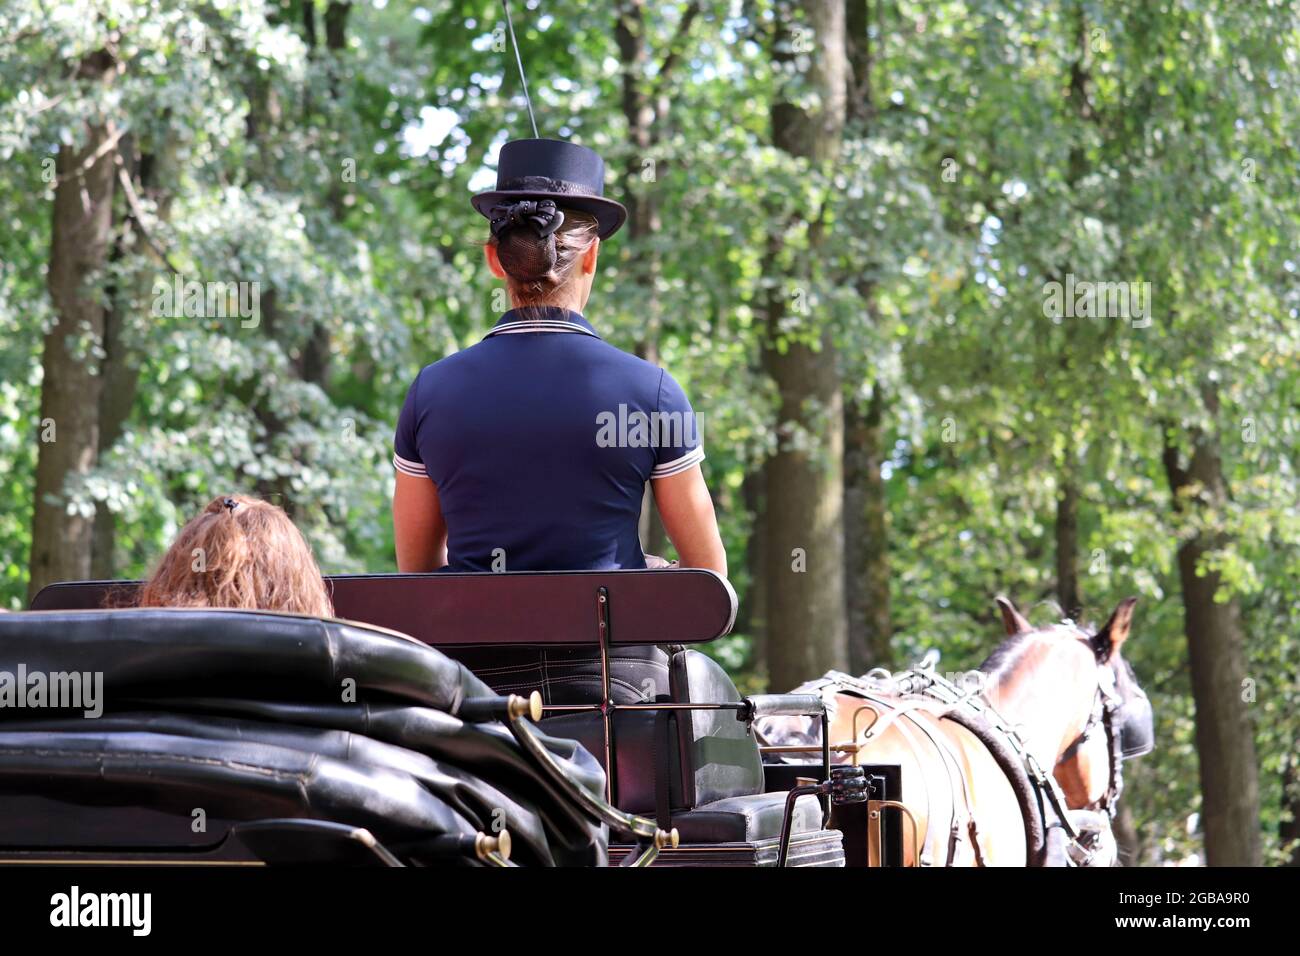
<point x="984" y="172"/>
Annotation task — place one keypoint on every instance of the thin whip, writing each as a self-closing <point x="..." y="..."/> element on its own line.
<point x="522" y="78"/>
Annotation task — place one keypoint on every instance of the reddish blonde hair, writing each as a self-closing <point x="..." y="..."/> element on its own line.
<point x="247" y="556"/>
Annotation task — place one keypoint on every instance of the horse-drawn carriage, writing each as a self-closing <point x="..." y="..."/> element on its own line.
<point x="515" y="718"/>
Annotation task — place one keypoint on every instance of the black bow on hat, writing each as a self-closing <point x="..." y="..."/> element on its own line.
<point x="541" y="214"/>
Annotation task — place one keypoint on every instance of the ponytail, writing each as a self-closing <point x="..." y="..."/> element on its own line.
<point x="539" y="245"/>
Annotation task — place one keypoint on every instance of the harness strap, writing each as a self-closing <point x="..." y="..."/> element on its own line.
<point x="1021" y="783"/>
<point x="951" y="765"/>
<point x="975" y="842"/>
<point x="895" y="711"/>
<point x="925" y="853"/>
<point x="1007" y="748"/>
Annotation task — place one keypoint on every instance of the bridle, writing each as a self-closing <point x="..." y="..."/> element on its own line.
<point x="1107" y="703"/>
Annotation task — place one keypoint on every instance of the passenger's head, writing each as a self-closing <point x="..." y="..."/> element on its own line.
<point x="542" y="263"/>
<point x="239" y="553"/>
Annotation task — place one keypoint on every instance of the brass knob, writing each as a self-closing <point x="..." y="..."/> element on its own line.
<point x="485" y="845"/>
<point x="530" y="706"/>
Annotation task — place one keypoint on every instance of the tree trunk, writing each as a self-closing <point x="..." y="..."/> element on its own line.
<point x="120" y="369"/>
<point x="273" y="487"/>
<point x="650" y="528"/>
<point x="314" y="362"/>
<point x="1067" y="547"/>
<point x="1067" y="499"/>
<point x="866" y="537"/>
<point x="1216" y="650"/>
<point x="806" y="622"/>
<point x="866" y="526"/>
<point x="336" y="25"/>
<point x="119" y="375"/>
<point x="804" y="517"/>
<point x="752" y="619"/>
<point x="645" y="104"/>
<point x="1127" y="837"/>
<point x="633" y="54"/>
<point x="1289" y="829"/>
<point x="70" y="386"/>
<point x="261" y="124"/>
<point x="861" y="90"/>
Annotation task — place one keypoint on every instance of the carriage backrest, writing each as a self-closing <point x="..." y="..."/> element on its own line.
<point x="680" y="606"/>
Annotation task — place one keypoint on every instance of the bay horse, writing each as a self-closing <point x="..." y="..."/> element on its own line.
<point x="1019" y="763"/>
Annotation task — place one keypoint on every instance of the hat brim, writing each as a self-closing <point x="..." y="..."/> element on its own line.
<point x="610" y="215"/>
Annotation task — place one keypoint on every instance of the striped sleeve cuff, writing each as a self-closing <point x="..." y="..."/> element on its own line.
<point x="688" y="460"/>
<point x="407" y="467"/>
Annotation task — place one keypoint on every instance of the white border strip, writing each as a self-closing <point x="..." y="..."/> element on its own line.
<point x="541" y="325"/>
<point x="413" y="468"/>
<point x="688" y="460"/>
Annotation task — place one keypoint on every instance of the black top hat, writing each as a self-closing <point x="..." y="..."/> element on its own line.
<point x="567" y="173"/>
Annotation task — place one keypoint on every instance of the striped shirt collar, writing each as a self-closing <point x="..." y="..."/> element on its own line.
<point x="541" y="318"/>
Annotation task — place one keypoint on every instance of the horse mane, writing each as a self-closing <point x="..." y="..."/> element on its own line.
<point x="1007" y="654"/>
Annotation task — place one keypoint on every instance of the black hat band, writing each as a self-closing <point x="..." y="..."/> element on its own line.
<point x="544" y="184"/>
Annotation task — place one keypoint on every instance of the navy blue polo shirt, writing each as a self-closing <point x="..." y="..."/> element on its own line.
<point x="540" y="439"/>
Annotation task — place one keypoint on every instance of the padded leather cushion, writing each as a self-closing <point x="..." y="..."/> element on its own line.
<point x="719" y="751"/>
<point x="229" y="779"/>
<point x="488" y="747"/>
<point x="746" y="819"/>
<point x="242" y="714"/>
<point x="144" y="653"/>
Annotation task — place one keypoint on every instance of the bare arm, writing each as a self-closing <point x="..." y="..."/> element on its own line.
<point x="687" y="511"/>
<point x="418" y="526"/>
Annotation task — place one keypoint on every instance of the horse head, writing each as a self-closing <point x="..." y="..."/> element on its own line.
<point x="1078" y="699"/>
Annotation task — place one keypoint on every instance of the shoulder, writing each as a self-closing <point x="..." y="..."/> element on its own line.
<point x="632" y="366"/>
<point x="657" y="385"/>
<point x="633" y="363"/>
<point x="449" y="366"/>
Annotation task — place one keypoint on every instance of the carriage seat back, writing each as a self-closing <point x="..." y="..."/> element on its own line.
<point x="548" y="608"/>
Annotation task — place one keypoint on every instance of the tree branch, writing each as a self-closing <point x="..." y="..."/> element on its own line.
<point x="674" y="53"/>
<point x="110" y="142"/>
<point x="132" y="200"/>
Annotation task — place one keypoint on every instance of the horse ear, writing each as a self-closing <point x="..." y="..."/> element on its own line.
<point x="1012" y="620"/>
<point x="1114" y="632"/>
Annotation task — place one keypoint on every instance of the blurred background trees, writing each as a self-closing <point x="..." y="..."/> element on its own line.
<point x="846" y="220"/>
